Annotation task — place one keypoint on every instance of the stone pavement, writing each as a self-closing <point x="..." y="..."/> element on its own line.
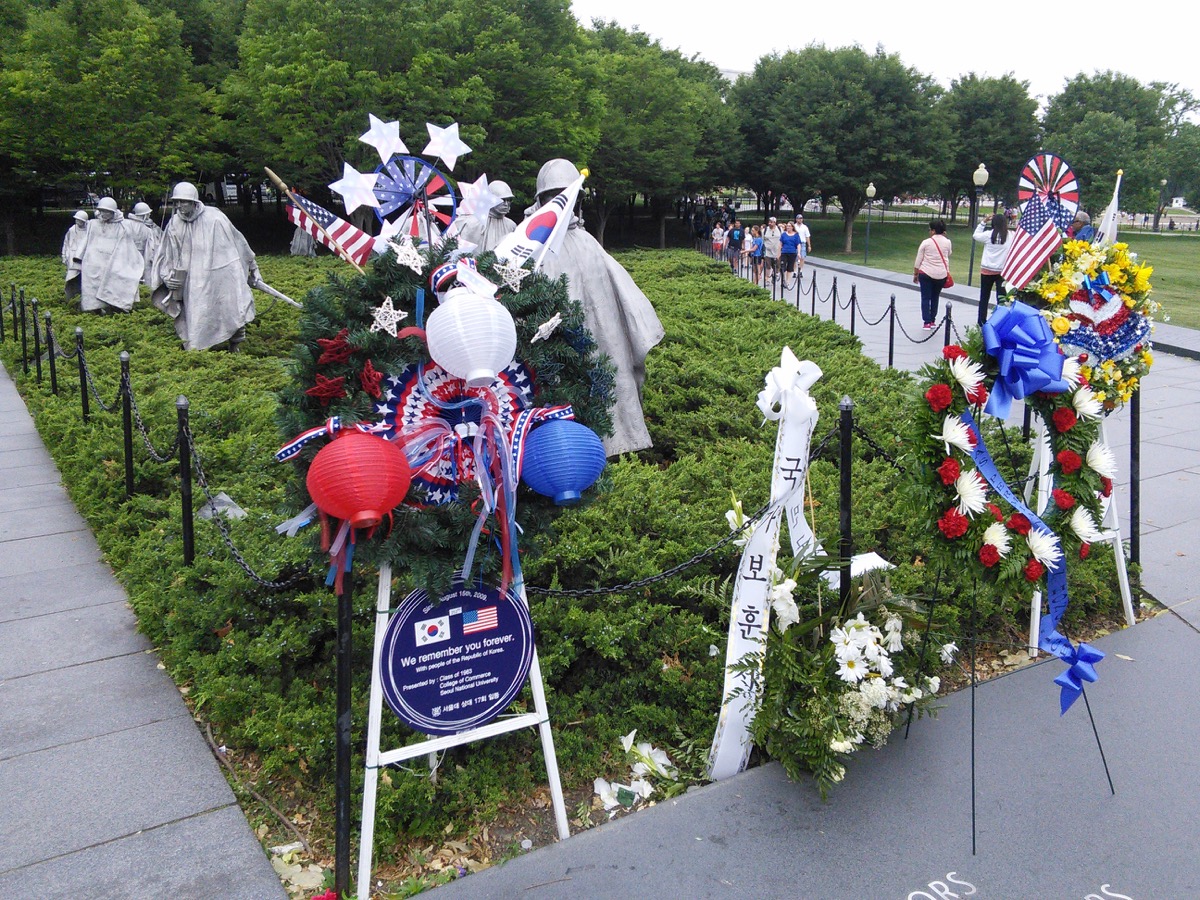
<point x="109" y="788"/>
<point x="900" y="825"/>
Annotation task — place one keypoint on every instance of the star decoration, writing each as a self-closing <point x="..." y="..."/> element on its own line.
<point x="370" y="378"/>
<point x="387" y="231"/>
<point x="387" y="317"/>
<point x="406" y="254"/>
<point x="547" y="328"/>
<point x="478" y="198"/>
<point x="513" y="274"/>
<point x="445" y="144"/>
<point x="327" y="389"/>
<point x="356" y="188"/>
<point x="336" y="349"/>
<point x="384" y="137"/>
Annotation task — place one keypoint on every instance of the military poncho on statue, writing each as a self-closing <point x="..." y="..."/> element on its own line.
<point x="111" y="267"/>
<point x="72" y="252"/>
<point x="146" y="234"/>
<point x="202" y="274"/>
<point x="619" y="316"/>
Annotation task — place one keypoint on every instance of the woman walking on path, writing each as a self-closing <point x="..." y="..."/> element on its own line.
<point x="994" y="237"/>
<point x="789" y="249"/>
<point x="931" y="268"/>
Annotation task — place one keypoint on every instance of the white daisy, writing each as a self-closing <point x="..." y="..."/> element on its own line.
<point x="1084" y="525"/>
<point x="1102" y="460"/>
<point x="852" y="669"/>
<point x="1085" y="403"/>
<point x="972" y="492"/>
<point x="997" y="535"/>
<point x="967" y="373"/>
<point x="1044" y="547"/>
<point x="955" y="434"/>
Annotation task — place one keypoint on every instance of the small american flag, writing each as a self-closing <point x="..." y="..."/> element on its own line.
<point x="482" y="619"/>
<point x="1036" y="238"/>
<point x="356" y="243"/>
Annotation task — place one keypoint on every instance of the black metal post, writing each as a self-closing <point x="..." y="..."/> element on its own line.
<point x="813" y="286"/>
<point x="345" y="618"/>
<point x="50" y="353"/>
<point x="853" y="303"/>
<point x="974" y="220"/>
<point x="83" y="391"/>
<point x="833" y="302"/>
<point x="13" y="300"/>
<point x="24" y="337"/>
<point x="1027" y="424"/>
<point x="892" y="332"/>
<point x="949" y="320"/>
<point x="845" y="544"/>
<point x="1135" y="478"/>
<point x="185" y="481"/>
<point x="127" y="422"/>
<point x="37" y="343"/>
<point x="14" y="312"/>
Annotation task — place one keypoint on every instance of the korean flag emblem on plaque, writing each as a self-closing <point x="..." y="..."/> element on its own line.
<point x="432" y="631"/>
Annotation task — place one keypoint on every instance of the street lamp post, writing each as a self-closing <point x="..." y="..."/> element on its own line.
<point x="870" y="197"/>
<point x="980" y="177"/>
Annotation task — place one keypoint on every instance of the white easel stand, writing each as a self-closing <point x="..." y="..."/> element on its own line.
<point x="375" y="758"/>
<point x="1109" y="524"/>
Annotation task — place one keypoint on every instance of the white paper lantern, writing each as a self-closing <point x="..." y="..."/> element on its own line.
<point x="471" y="337"/>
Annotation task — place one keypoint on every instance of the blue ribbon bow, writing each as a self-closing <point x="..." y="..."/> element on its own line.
<point x="1081" y="662"/>
<point x="1021" y="341"/>
<point x="1098" y="286"/>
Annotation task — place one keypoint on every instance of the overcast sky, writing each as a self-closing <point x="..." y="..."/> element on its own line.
<point x="943" y="39"/>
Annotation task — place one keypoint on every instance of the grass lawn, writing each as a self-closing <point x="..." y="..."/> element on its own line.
<point x="1175" y="257"/>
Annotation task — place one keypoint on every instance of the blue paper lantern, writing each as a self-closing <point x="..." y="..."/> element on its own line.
<point x="562" y="460"/>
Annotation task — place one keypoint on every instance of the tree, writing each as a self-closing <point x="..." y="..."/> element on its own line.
<point x="833" y="120"/>
<point x="991" y="121"/>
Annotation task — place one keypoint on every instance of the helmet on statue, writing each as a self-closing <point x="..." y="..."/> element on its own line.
<point x="555" y="175"/>
<point x="501" y="190"/>
<point x="107" y="204"/>
<point x="185" y="190"/>
<point x="141" y="209"/>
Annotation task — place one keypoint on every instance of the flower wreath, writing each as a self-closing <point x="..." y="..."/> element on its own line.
<point x="1097" y="300"/>
<point x="979" y="523"/>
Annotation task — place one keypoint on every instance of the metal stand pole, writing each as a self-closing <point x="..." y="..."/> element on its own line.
<point x="37" y="343"/>
<point x="127" y="422"/>
<point x="867" y="246"/>
<point x="845" y="543"/>
<point x="345" y="622"/>
<point x="892" y="332"/>
<point x="813" y="286"/>
<point x="853" y="303"/>
<point x="833" y="302"/>
<point x="24" y="337"/>
<point x="83" y="390"/>
<point x="185" y="481"/>
<point x="50" y="353"/>
<point x="949" y="323"/>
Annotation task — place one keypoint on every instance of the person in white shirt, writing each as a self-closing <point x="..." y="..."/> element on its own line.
<point x="805" y="242"/>
<point x="993" y="234"/>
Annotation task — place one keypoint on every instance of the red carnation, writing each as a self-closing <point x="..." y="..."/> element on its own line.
<point x="1063" y="499"/>
<point x="939" y="397"/>
<point x="1106" y="486"/>
<point x="979" y="396"/>
<point x="1064" y="419"/>
<point x="953" y="351"/>
<point x="1069" y="460"/>
<point x="1084" y="550"/>
<point x="1033" y="570"/>
<point x="989" y="555"/>
<point x="949" y="470"/>
<point x="995" y="511"/>
<point x="1018" y="523"/>
<point x="953" y="524"/>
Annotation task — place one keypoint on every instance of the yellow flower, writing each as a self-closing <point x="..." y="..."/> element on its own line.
<point x="1130" y="302"/>
<point x="1100" y="395"/>
<point x="1116" y="275"/>
<point x="1147" y="357"/>
<point x="1061" y="325"/>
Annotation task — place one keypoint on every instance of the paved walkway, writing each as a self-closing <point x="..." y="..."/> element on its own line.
<point x="109" y="789"/>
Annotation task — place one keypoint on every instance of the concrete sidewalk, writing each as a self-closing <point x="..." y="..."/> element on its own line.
<point x="109" y="788"/>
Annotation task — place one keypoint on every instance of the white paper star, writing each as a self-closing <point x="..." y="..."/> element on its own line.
<point x="478" y="198"/>
<point x="388" y="317"/>
<point x="547" y="328"/>
<point x="356" y="188"/>
<point x="384" y="137"/>
<point x="444" y="143"/>
<point x="387" y="231"/>
<point x="512" y="274"/>
<point x="407" y="255"/>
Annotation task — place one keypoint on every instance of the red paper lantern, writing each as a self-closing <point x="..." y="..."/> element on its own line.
<point x="358" y="477"/>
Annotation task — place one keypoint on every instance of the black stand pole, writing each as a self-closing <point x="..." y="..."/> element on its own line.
<point x="813" y="285"/>
<point x="24" y="338"/>
<point x="127" y="422"/>
<point x="345" y="616"/>
<point x="892" y="332"/>
<point x="83" y="389"/>
<point x="949" y="323"/>
<point x="1099" y="747"/>
<point x="853" y="306"/>
<point x="50" y="354"/>
<point x="833" y="302"/>
<point x="37" y="342"/>
<point x="185" y="481"/>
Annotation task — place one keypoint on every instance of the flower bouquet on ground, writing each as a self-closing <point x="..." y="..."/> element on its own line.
<point x="836" y="679"/>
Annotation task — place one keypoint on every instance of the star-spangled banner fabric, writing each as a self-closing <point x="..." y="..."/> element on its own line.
<point x="1036" y="238"/>
<point x="356" y="243"/>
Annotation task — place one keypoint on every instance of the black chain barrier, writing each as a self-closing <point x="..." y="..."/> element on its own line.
<point x="934" y="332"/>
<point x="686" y="564"/>
<point x="202" y="480"/>
<point x="92" y="385"/>
<point x="867" y="321"/>
<point x="165" y="456"/>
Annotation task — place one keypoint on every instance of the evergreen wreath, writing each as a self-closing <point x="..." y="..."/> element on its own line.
<point x="341" y="367"/>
